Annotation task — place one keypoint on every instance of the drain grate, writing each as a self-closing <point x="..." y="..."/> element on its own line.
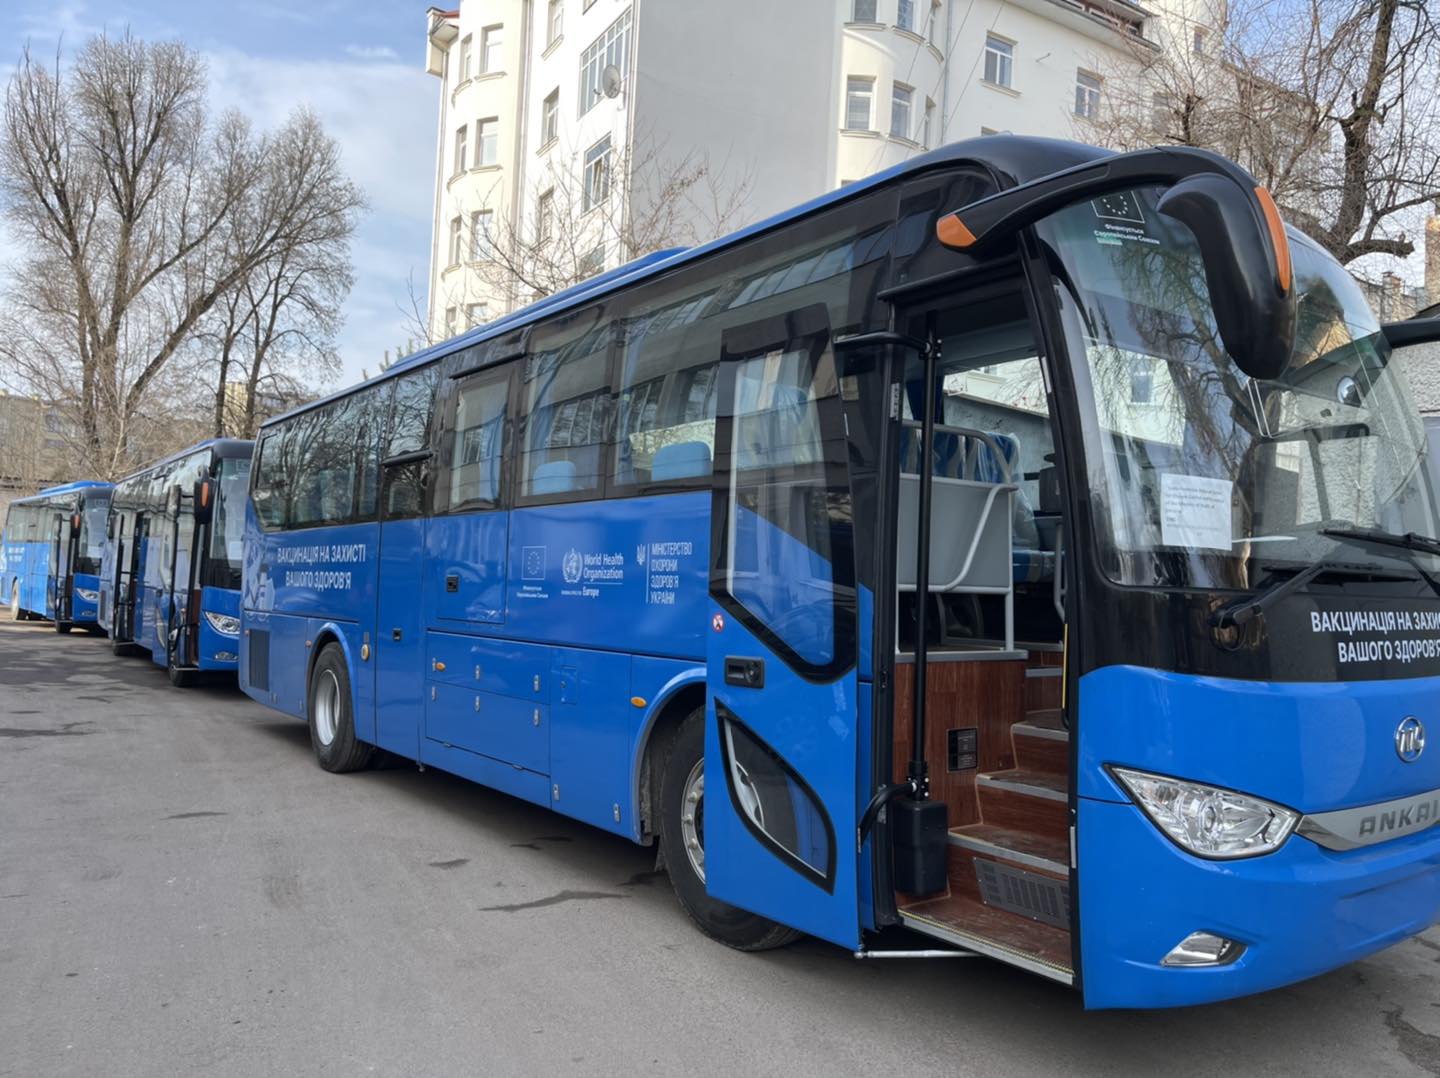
<point x="1030" y="895"/>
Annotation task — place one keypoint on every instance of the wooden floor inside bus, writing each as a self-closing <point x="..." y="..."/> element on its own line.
<point x="1009" y="805"/>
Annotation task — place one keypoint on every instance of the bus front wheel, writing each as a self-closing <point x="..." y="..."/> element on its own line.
<point x="180" y="677"/>
<point x="15" y="601"/>
<point x="682" y="844"/>
<point x="64" y="626"/>
<point x="331" y="713"/>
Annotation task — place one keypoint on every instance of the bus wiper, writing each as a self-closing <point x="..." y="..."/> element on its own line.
<point x="1410" y="540"/>
<point x="1249" y="607"/>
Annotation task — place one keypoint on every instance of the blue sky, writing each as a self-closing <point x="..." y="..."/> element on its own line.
<point x="360" y="65"/>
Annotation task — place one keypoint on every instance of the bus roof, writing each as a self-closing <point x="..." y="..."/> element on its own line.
<point x="1011" y="160"/>
<point x="79" y="486"/>
<point x="224" y="448"/>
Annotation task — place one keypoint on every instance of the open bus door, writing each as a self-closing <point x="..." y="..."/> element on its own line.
<point x="127" y="568"/>
<point x="182" y="606"/>
<point x="781" y="725"/>
<point x="61" y="580"/>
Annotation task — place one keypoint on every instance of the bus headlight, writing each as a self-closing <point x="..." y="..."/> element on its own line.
<point x="88" y="595"/>
<point x="224" y="624"/>
<point x="1208" y="821"/>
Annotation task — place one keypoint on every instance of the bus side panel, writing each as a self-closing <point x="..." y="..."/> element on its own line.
<point x="630" y="574"/>
<point x="592" y="726"/>
<point x="482" y="769"/>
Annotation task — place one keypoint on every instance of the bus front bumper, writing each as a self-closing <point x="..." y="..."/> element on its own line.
<point x="1300" y="911"/>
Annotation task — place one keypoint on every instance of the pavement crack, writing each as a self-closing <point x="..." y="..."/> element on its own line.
<point x="192" y="815"/>
<point x="1420" y="1048"/>
<point x="450" y="864"/>
<point x="552" y="900"/>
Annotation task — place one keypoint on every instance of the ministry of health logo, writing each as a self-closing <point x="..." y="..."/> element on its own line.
<point x="571" y="566"/>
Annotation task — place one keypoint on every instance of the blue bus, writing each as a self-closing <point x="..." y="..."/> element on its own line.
<point x="50" y="554"/>
<point x="1029" y="546"/>
<point x="170" y="575"/>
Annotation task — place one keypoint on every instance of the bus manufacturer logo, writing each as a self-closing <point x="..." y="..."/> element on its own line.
<point x="1410" y="739"/>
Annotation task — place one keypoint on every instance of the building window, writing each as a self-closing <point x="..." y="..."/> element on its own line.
<point x="488" y="137"/>
<point x="550" y="118"/>
<point x="463" y="74"/>
<point x="863" y="11"/>
<point x="482" y="239"/>
<point x="491" y="61"/>
<point x="554" y="21"/>
<point x="457" y="228"/>
<point x="933" y="31"/>
<point x="999" y="60"/>
<point x="592" y="263"/>
<point x="544" y="216"/>
<point x="596" y="175"/>
<point x="1142" y="381"/>
<point x="611" y="47"/>
<point x="1160" y="112"/>
<point x="475" y="314"/>
<point x="461" y="148"/>
<point x="905" y="15"/>
<point x="900" y="101"/>
<point x="450" y="321"/>
<point x="927" y="133"/>
<point x="1197" y="43"/>
<point x="1087" y="95"/>
<point x="858" y="94"/>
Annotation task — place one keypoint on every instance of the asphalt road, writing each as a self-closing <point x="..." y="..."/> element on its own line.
<point x="182" y="891"/>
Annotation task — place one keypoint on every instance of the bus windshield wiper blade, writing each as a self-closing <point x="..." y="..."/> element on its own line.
<point x="1249" y="607"/>
<point x="1410" y="540"/>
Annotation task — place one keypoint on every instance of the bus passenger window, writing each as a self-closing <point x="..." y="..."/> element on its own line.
<point x="666" y="428"/>
<point x="567" y="409"/>
<point x="479" y="443"/>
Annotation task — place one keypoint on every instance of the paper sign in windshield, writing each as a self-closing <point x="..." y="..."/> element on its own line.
<point x="1195" y="511"/>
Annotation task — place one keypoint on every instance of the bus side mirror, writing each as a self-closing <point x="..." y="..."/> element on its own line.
<point x="1241" y="237"/>
<point x="1247" y="269"/>
<point x="204" y="499"/>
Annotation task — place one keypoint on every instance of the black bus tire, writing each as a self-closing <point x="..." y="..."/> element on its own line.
<point x="330" y="711"/>
<point x="64" y="626"/>
<point x="180" y="677"/>
<point x="123" y="647"/>
<point x="720" y="921"/>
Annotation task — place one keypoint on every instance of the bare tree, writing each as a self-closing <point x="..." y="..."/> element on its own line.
<point x="634" y="201"/>
<point x="1333" y="105"/>
<point x="138" y="214"/>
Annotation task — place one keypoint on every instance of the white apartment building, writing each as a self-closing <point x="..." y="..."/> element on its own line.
<point x="546" y="106"/>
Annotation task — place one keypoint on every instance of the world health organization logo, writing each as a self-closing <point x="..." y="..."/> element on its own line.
<point x="571" y="566"/>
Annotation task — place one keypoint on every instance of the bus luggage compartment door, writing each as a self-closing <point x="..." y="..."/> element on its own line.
<point x="780" y="740"/>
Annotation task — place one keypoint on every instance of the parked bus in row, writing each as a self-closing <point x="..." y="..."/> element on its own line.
<point x="170" y="576"/>
<point x="1030" y="546"/>
<point x="50" y="554"/>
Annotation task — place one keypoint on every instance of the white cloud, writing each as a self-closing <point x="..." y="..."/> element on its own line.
<point x="371" y="52"/>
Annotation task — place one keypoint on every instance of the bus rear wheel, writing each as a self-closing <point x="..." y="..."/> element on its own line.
<point x="64" y="626"/>
<point x="682" y="844"/>
<point x="331" y="713"/>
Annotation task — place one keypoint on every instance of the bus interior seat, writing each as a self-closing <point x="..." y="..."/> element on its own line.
<point x="681" y="460"/>
<point x="553" y="477"/>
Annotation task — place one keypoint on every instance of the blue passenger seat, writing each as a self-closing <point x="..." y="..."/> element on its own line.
<point x="682" y="460"/>
<point x="553" y="477"/>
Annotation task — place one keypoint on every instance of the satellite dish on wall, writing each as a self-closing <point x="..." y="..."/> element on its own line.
<point x="610" y="80"/>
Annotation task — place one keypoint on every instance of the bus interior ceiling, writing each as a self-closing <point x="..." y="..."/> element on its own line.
<point x="997" y="743"/>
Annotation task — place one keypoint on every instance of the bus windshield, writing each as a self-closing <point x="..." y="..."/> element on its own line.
<point x="227" y="533"/>
<point x="1199" y="475"/>
<point x="92" y="533"/>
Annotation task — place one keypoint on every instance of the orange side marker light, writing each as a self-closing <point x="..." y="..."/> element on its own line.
<point x="1278" y="239"/>
<point x="952" y="232"/>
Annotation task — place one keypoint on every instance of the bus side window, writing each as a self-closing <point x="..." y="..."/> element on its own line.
<point x="476" y="442"/>
<point x="371" y="405"/>
<point x="411" y="403"/>
<point x="666" y="427"/>
<point x="269" y="505"/>
<point x="567" y="407"/>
